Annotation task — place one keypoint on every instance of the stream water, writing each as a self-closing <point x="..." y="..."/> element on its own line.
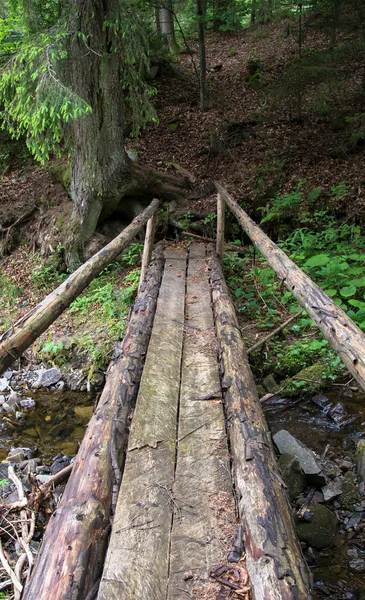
<point x="311" y="424"/>
<point x="55" y="424"/>
<point x="58" y="420"/>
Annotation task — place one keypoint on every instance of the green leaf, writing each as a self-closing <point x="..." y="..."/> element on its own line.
<point x="348" y="291"/>
<point x="357" y="282"/>
<point x="317" y="261"/>
<point x="330" y="293"/>
<point x="357" y="303"/>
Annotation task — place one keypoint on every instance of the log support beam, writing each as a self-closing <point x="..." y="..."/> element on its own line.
<point x="72" y="555"/>
<point x="275" y="564"/>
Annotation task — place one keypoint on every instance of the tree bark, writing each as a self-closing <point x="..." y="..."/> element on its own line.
<point x="23" y="333"/>
<point x="72" y="554"/>
<point x="275" y="564"/>
<point x="102" y="175"/>
<point x="200" y="6"/>
<point x="167" y="26"/>
<point x="341" y="332"/>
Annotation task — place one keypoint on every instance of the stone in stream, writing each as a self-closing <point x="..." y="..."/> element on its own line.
<point x="4" y="384"/>
<point x="332" y="490"/>
<point x="27" y="403"/>
<point x="292" y="474"/>
<point x="47" y="377"/>
<point x="288" y="444"/>
<point x="321" y="530"/>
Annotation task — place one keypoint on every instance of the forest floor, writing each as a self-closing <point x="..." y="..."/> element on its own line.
<point x="249" y="139"/>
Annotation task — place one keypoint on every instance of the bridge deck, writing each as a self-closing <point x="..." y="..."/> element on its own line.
<point x="175" y="513"/>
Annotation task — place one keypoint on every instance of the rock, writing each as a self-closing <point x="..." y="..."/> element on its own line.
<point x="27" y="403"/>
<point x="8" y="374"/>
<point x="345" y="465"/>
<point x="357" y="565"/>
<point x="353" y="521"/>
<point x="133" y="155"/>
<point x="47" y="377"/>
<point x="16" y="456"/>
<point x="321" y="531"/>
<point x="270" y="384"/>
<point x="292" y="474"/>
<point x="43" y="478"/>
<point x="84" y="412"/>
<point x="340" y="416"/>
<point x="350" y="494"/>
<point x="322" y="402"/>
<point x="288" y="444"/>
<point x="59" y="464"/>
<point x="314" y="378"/>
<point x="332" y="490"/>
<point x="69" y="448"/>
<point x="4" y="384"/>
<point x="360" y="459"/>
<point x="2" y="400"/>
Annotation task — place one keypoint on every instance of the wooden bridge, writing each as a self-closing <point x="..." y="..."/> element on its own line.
<point x="176" y="475"/>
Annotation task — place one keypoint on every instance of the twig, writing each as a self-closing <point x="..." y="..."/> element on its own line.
<point x="275" y="332"/>
<point x="301" y="512"/>
<point x="15" y="581"/>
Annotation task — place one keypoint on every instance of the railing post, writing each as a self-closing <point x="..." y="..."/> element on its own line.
<point x="220" y="225"/>
<point x="148" y="246"/>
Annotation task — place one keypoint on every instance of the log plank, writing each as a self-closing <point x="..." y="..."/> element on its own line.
<point x="74" y="545"/>
<point x="202" y="491"/>
<point x="137" y="561"/>
<point x="275" y="564"/>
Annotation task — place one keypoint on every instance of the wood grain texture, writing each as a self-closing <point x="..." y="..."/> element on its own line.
<point x="74" y="545"/>
<point x="22" y="334"/>
<point x="137" y="561"/>
<point x="274" y="560"/>
<point x="343" y="334"/>
<point x="202" y="490"/>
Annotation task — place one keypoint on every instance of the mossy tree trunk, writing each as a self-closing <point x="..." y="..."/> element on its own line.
<point x="102" y="174"/>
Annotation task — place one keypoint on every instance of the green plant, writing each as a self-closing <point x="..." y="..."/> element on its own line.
<point x="131" y="256"/>
<point x="340" y="191"/>
<point x="3" y="483"/>
<point x="282" y="205"/>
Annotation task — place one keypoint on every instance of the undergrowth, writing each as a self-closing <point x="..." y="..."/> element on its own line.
<point x="332" y="254"/>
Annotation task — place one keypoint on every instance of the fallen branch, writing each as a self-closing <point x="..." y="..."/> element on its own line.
<point x="273" y="333"/>
<point x="203" y="238"/>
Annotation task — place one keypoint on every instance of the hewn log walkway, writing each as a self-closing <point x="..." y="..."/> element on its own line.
<point x="178" y="508"/>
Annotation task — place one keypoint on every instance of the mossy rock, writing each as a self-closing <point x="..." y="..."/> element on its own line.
<point x="350" y="494"/>
<point x="321" y="530"/>
<point x="293" y="475"/>
<point x="312" y="378"/>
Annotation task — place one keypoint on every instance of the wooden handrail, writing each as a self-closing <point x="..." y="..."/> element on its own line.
<point x="26" y="330"/>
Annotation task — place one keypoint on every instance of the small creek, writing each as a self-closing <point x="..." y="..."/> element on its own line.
<point x="311" y="424"/>
<point x="56" y="424"/>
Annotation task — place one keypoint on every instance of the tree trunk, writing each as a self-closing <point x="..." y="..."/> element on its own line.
<point x="167" y="26"/>
<point x="200" y="4"/>
<point x="274" y="560"/>
<point x="23" y="333"/>
<point x="102" y="175"/>
<point x="72" y="554"/>
<point x="100" y="168"/>
<point x="341" y="332"/>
